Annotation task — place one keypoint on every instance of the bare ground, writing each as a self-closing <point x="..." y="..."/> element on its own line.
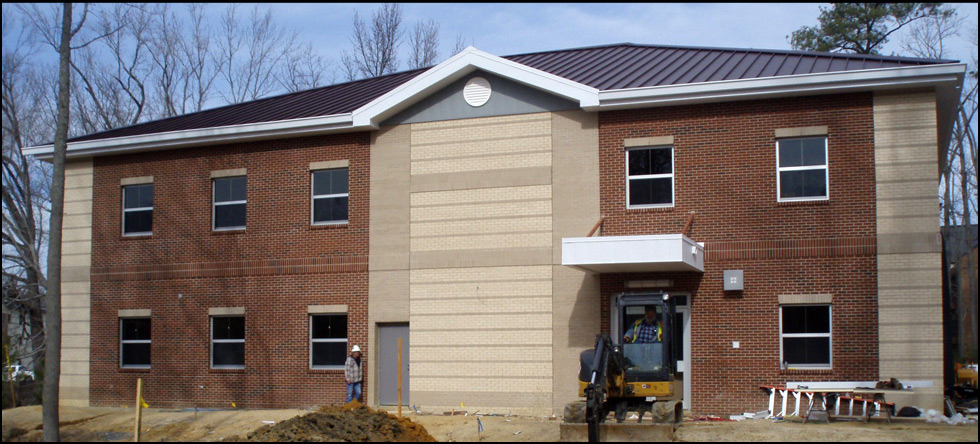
<point x="102" y="424"/>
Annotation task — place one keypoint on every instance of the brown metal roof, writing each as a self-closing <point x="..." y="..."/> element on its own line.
<point x="629" y="65"/>
<point x="606" y="67"/>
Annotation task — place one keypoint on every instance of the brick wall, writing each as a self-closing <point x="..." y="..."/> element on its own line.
<point x="275" y="268"/>
<point x="725" y="170"/>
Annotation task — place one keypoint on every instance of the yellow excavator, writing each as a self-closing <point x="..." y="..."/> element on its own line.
<point x="620" y="375"/>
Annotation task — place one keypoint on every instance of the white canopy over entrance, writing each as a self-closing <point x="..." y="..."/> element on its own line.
<point x="629" y="254"/>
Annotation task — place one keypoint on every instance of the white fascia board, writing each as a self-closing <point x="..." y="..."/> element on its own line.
<point x="203" y="136"/>
<point x="459" y="65"/>
<point x="744" y="89"/>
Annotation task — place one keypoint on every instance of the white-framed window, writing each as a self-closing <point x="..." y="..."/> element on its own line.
<point x="650" y="177"/>
<point x="805" y="336"/>
<point x="228" y="210"/>
<point x="134" y="342"/>
<point x="137" y="217"/>
<point x="228" y="342"/>
<point x="802" y="171"/>
<point x="328" y="341"/>
<point x="329" y="196"/>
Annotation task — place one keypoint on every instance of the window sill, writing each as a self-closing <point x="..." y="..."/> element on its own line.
<point x="134" y="370"/>
<point x="650" y="209"/>
<point x="136" y="236"/>
<point x="229" y="231"/>
<point x="806" y="371"/>
<point x="336" y="226"/>
<point x="226" y="370"/>
<point x="788" y="203"/>
<point x="325" y="370"/>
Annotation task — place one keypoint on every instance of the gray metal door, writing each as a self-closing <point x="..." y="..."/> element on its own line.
<point x="388" y="335"/>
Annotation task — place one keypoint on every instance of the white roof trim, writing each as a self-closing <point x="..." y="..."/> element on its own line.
<point x="948" y="78"/>
<point x="799" y="84"/>
<point x="459" y="65"/>
<point x="197" y="137"/>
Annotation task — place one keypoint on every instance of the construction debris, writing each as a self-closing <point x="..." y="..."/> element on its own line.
<point x="347" y="423"/>
<point x="934" y="416"/>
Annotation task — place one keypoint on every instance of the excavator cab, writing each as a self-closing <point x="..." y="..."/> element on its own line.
<point x="630" y="370"/>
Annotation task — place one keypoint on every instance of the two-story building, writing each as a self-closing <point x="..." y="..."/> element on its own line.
<point x="237" y="254"/>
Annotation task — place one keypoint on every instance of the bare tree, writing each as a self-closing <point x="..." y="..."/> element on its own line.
<point x="251" y="53"/>
<point x="202" y="67"/>
<point x="460" y="44"/>
<point x="375" y="50"/>
<point x="113" y="76"/>
<point x="928" y="37"/>
<point x="24" y="196"/>
<point x="423" y="41"/>
<point x="57" y="33"/>
<point x="303" y="69"/>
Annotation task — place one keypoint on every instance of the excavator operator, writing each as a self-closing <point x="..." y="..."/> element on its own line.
<point x="646" y="329"/>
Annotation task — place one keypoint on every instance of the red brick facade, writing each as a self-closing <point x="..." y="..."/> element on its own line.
<point x="725" y="170"/>
<point x="275" y="268"/>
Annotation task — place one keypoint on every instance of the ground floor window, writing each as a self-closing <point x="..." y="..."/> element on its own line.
<point x="805" y="336"/>
<point x="328" y="341"/>
<point x="134" y="342"/>
<point x="228" y="342"/>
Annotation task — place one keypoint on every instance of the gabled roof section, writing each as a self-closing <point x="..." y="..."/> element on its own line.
<point x="467" y="61"/>
<point x="597" y="78"/>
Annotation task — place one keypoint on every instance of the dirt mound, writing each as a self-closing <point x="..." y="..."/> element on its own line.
<point x="352" y="422"/>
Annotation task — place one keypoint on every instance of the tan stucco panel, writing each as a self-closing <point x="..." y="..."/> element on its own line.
<point x="909" y="258"/>
<point x="76" y="283"/>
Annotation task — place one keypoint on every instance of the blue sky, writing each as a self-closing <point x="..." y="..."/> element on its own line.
<point x="504" y="29"/>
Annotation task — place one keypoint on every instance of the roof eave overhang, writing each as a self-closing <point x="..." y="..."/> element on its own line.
<point x="946" y="78"/>
<point x="200" y="137"/>
<point x="795" y="85"/>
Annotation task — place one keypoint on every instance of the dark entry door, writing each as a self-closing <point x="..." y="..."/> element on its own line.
<point x="388" y="335"/>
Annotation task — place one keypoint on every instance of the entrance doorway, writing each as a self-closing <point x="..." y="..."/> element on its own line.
<point x="682" y="333"/>
<point x="388" y="335"/>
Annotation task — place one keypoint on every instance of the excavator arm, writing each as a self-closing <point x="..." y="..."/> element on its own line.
<point x="608" y="359"/>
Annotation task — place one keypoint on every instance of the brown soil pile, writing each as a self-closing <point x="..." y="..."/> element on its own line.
<point x="352" y="422"/>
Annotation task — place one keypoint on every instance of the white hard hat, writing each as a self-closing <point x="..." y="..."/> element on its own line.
<point x="355" y="349"/>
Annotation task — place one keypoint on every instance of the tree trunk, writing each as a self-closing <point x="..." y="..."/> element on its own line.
<point x="52" y="298"/>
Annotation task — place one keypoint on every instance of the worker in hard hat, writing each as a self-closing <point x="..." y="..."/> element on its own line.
<point x="646" y="329"/>
<point x="353" y="374"/>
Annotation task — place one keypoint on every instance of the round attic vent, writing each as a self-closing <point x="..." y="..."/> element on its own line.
<point x="477" y="91"/>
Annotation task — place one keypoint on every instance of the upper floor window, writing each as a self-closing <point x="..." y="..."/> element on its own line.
<point x="804" y="334"/>
<point x="134" y="342"/>
<point x="138" y="210"/>
<point x="229" y="203"/>
<point x="650" y="177"/>
<point x="802" y="169"/>
<point x="330" y="196"/>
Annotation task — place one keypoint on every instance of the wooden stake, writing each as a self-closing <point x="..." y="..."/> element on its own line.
<point x="139" y="409"/>
<point x="399" y="377"/>
<point x="10" y="378"/>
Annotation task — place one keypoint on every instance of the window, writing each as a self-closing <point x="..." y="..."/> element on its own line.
<point x="650" y="177"/>
<point x="330" y="196"/>
<point x="805" y="336"/>
<point x="802" y="169"/>
<point x="138" y="210"/>
<point x="328" y="341"/>
<point x="228" y="342"/>
<point x="229" y="203"/>
<point x="134" y="343"/>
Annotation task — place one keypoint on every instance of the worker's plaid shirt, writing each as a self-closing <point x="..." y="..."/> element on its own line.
<point x="647" y="333"/>
<point x="352" y="371"/>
